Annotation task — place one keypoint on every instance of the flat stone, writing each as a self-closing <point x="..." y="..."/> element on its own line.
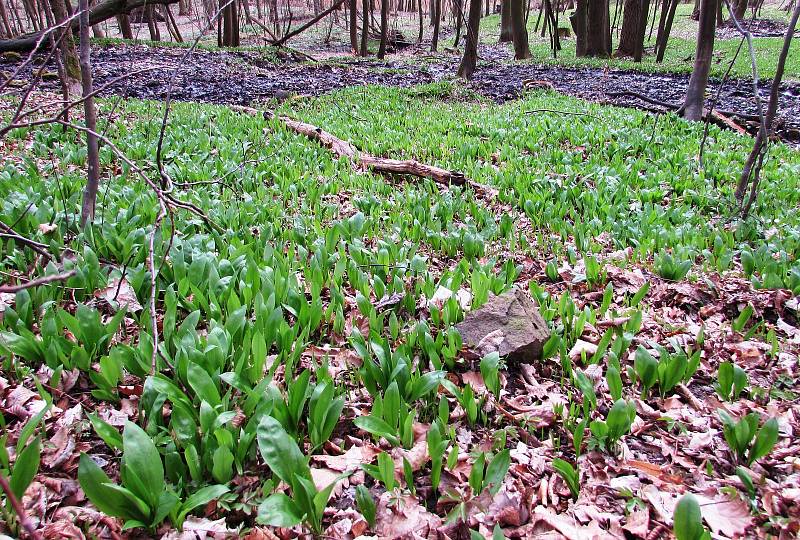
<point x="509" y="324"/>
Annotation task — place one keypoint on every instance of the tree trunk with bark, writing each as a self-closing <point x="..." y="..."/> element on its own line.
<point x="384" y="28"/>
<point x="364" y="26"/>
<point x="630" y="28"/>
<point x="519" y="31"/>
<point x="458" y="12"/>
<point x="505" y="22"/>
<point x="470" y="58"/>
<point x="124" y="24"/>
<point x="665" y="27"/>
<point x="598" y="28"/>
<point x="695" y="93"/>
<point x="353" y="24"/>
<point x="90" y="119"/>
<point x="436" y="8"/>
<point x="69" y="57"/>
<point x="578" y="21"/>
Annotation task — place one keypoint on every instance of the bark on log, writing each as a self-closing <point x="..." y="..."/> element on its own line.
<point x="344" y="149"/>
<point x="97" y="14"/>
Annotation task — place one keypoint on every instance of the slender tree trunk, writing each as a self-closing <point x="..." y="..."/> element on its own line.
<point x="384" y="28"/>
<point x="458" y="12"/>
<point x="6" y="22"/>
<point x="436" y="5"/>
<point x="124" y="23"/>
<point x="152" y="24"/>
<point x="421" y="24"/>
<point x="470" y="58"/>
<point x="505" y="22"/>
<point x="739" y="8"/>
<point x="661" y="42"/>
<point x="638" y="50"/>
<point x="579" y="26"/>
<point x="695" y="93"/>
<point x="762" y="138"/>
<point x="630" y="24"/>
<point x="364" y="26"/>
<point x="90" y="114"/>
<point x="598" y="28"/>
<point x="519" y="31"/>
<point x="69" y="56"/>
<point x="353" y="7"/>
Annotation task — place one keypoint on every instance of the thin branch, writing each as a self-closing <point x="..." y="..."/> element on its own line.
<point x="45" y="280"/>
<point x="19" y="510"/>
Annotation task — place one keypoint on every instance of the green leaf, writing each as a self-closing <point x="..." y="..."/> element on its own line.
<point x="94" y="483"/>
<point x="688" y="519"/>
<point x="25" y="468"/>
<point x="279" y="510"/>
<point x="569" y="474"/>
<point x="377" y="427"/>
<point x="765" y="440"/>
<point x="496" y="471"/>
<point x="366" y="505"/>
<point x="106" y="431"/>
<point x="646" y="368"/>
<point x="201" y="497"/>
<point x="141" y="458"/>
<point x="201" y="383"/>
<point x="280" y="451"/>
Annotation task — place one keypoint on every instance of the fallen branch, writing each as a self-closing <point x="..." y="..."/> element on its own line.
<point x="344" y="149"/>
<point x="45" y="280"/>
<point x="97" y="14"/>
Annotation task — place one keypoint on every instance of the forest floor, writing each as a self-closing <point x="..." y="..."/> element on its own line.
<point x="247" y="77"/>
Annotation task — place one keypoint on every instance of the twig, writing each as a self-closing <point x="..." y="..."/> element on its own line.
<point x="575" y="113"/>
<point x="18" y="509"/>
<point x="37" y="282"/>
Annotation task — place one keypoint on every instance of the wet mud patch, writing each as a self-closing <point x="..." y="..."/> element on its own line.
<point x="247" y="77"/>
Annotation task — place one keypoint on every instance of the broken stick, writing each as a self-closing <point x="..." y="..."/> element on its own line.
<point x="344" y="149"/>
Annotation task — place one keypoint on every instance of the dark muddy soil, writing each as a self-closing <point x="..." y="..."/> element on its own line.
<point x="757" y="27"/>
<point x="242" y="78"/>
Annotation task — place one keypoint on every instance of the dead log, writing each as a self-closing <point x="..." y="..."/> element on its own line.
<point x="97" y="14"/>
<point x="365" y="161"/>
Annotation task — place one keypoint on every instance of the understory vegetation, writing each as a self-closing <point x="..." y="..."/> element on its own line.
<point x="304" y="370"/>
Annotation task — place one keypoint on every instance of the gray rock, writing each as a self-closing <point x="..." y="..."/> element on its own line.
<point x="509" y="324"/>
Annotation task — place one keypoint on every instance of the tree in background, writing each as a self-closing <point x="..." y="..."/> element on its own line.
<point x="470" y="58"/>
<point x="69" y="56"/>
<point x="384" y="28"/>
<point x="692" y="108"/>
<point x="505" y="21"/>
<point x="436" y="18"/>
<point x="519" y="30"/>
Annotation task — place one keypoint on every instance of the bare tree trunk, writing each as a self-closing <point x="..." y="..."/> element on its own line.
<point x="364" y="26"/>
<point x="4" y="19"/>
<point x="470" y="58"/>
<point x="353" y="25"/>
<point x="598" y="28"/>
<point x="421" y="24"/>
<point x="630" y="24"/>
<point x="579" y="26"/>
<point x="638" y="50"/>
<point x="384" y="28"/>
<point x="124" y="24"/>
<point x="519" y="31"/>
<point x="458" y="12"/>
<point x="695" y="93"/>
<point x="69" y="56"/>
<point x="152" y="24"/>
<point x="93" y="152"/>
<point x="436" y="15"/>
<point x="505" y="22"/>
<point x="756" y="156"/>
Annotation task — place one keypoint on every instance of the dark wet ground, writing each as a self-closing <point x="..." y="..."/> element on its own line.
<point x="242" y="78"/>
